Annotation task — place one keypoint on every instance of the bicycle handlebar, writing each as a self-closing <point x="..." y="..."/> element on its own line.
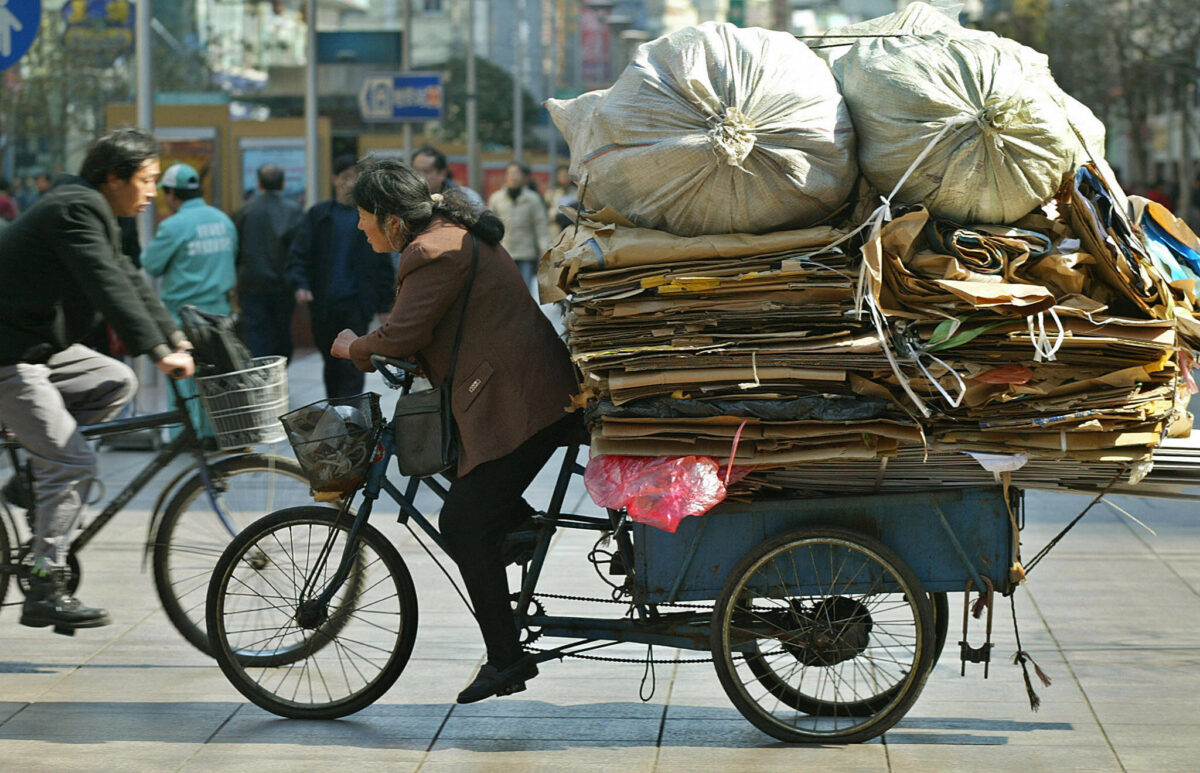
<point x="384" y="364"/>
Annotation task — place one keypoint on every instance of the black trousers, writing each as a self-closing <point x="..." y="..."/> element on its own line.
<point x="480" y="508"/>
<point x="267" y="323"/>
<point x="342" y="378"/>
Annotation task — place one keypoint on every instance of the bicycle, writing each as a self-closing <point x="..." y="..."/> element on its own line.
<point x="811" y="598"/>
<point x="197" y="512"/>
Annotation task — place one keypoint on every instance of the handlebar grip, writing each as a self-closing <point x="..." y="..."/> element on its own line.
<point x="383" y="364"/>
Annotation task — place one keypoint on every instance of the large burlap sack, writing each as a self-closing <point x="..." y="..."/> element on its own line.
<point x="714" y="129"/>
<point x="990" y="120"/>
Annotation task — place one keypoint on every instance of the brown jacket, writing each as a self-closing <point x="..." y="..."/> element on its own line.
<point x="513" y="377"/>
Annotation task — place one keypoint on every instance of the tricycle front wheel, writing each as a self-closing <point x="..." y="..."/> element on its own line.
<point x="823" y="635"/>
<point x="285" y="650"/>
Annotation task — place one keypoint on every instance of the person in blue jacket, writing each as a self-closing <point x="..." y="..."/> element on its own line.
<point x="195" y="253"/>
<point x="343" y="280"/>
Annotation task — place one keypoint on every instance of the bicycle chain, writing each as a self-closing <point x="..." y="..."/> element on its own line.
<point x="609" y="659"/>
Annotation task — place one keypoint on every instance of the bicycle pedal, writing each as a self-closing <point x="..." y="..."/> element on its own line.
<point x="512" y="688"/>
<point x="64" y="630"/>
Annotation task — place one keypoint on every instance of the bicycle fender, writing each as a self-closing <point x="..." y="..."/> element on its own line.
<point x="156" y="514"/>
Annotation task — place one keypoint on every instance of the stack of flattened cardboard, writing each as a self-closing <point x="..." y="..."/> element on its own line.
<point x="1008" y="341"/>
<point x="686" y="343"/>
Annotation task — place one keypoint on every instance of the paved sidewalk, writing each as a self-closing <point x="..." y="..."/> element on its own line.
<point x="1112" y="615"/>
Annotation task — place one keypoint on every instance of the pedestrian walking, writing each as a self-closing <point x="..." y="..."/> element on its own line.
<point x="195" y="253"/>
<point x="334" y="270"/>
<point x="430" y="163"/>
<point x="61" y="269"/>
<point x="523" y="213"/>
<point x="563" y="194"/>
<point x="265" y="228"/>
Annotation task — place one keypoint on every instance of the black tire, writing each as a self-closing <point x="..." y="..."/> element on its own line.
<point x="756" y="661"/>
<point x="254" y="605"/>
<point x="8" y="558"/>
<point x="833" y="607"/>
<point x="190" y="537"/>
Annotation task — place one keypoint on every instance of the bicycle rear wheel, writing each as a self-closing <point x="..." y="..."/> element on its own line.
<point x="255" y="609"/>
<point x="190" y="537"/>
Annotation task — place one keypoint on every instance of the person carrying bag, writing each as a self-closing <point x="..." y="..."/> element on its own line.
<point x="426" y="437"/>
<point x="507" y="380"/>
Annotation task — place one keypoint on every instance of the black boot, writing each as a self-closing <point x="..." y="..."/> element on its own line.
<point x="50" y="603"/>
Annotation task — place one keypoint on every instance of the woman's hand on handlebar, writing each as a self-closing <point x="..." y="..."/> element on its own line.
<point x="177" y="365"/>
<point x="341" y="344"/>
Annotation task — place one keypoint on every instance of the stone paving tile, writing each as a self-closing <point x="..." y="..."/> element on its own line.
<point x="95" y="756"/>
<point x="1000" y="758"/>
<point x="302" y="758"/>
<point x="616" y="755"/>
<point x="1158" y="759"/>
<point x="761" y="753"/>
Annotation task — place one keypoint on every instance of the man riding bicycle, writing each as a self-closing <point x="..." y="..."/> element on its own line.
<point x="61" y="271"/>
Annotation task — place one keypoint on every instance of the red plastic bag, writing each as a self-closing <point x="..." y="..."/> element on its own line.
<point x="658" y="491"/>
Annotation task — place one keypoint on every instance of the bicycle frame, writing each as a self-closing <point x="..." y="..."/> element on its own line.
<point x="686" y="630"/>
<point x="187" y="440"/>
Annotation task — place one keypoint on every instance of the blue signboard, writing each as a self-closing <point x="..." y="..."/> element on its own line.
<point x="414" y="96"/>
<point x="19" y="20"/>
<point x="103" y="26"/>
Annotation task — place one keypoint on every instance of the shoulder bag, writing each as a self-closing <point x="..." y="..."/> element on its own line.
<point x="423" y="424"/>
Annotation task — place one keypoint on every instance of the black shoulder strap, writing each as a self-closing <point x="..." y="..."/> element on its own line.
<point x="463" y="313"/>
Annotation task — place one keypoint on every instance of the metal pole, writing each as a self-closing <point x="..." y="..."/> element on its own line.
<point x="518" y="75"/>
<point x="312" y="155"/>
<point x="474" y="173"/>
<point x="552" y="142"/>
<point x="406" y="64"/>
<point x="145" y="95"/>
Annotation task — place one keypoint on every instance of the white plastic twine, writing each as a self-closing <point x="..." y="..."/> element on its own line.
<point x="1043" y="349"/>
<point x="732" y="136"/>
<point x="875" y="220"/>
<point x="962" y="385"/>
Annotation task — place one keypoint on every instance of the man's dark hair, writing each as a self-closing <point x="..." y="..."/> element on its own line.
<point x="270" y="177"/>
<point x="120" y="152"/>
<point x="344" y="162"/>
<point x="525" y="168"/>
<point x="388" y="186"/>
<point x="186" y="194"/>
<point x="439" y="158"/>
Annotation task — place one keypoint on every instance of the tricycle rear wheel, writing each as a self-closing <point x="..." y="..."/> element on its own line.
<point x="823" y="635"/>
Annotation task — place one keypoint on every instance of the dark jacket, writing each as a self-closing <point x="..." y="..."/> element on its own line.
<point x="513" y="376"/>
<point x="311" y="259"/>
<point x="266" y="226"/>
<point x="62" y="270"/>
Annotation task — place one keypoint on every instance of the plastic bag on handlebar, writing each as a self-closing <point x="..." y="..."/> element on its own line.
<point x="658" y="491"/>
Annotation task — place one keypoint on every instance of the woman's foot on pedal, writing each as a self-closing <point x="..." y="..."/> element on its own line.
<point x="492" y="681"/>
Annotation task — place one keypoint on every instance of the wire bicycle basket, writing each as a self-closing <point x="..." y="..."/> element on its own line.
<point x="335" y="440"/>
<point x="244" y="406"/>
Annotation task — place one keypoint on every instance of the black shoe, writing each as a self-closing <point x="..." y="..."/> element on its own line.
<point x="50" y="603"/>
<point x="518" y="546"/>
<point x="493" y="681"/>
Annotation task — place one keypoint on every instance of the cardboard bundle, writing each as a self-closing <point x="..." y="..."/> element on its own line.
<point x="891" y="347"/>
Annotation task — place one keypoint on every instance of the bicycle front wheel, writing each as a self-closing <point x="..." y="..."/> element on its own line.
<point x="191" y="537"/>
<point x="343" y="655"/>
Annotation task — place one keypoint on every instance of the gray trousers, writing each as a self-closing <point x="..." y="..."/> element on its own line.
<point x="43" y="405"/>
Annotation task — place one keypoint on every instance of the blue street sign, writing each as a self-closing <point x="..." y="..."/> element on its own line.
<point x="414" y="96"/>
<point x="19" y="20"/>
